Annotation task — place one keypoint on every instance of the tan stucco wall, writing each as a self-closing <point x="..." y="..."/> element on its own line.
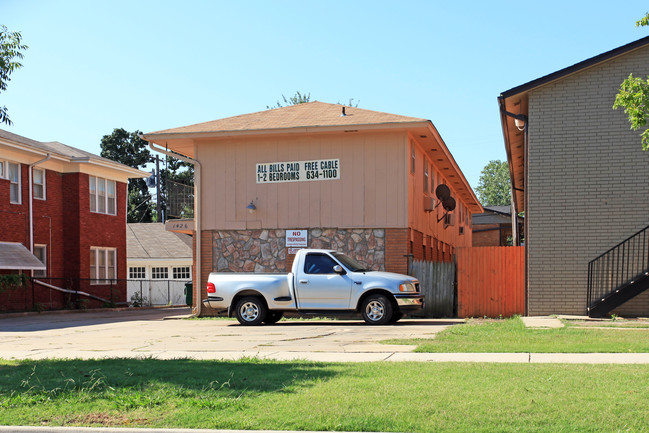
<point x="371" y="191"/>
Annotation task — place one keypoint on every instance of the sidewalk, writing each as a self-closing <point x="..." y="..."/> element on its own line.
<point x="542" y="322"/>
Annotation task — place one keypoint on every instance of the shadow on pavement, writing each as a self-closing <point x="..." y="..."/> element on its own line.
<point x="59" y="320"/>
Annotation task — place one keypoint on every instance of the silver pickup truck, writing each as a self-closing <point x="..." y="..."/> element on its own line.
<point x="322" y="282"/>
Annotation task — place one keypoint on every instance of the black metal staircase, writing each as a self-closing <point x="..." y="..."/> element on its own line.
<point x="619" y="274"/>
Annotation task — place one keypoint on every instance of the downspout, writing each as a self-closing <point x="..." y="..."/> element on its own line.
<point x="197" y="216"/>
<point x="503" y="115"/>
<point x="31" y="202"/>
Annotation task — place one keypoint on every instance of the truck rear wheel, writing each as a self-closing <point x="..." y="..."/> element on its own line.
<point x="376" y="310"/>
<point x="251" y="311"/>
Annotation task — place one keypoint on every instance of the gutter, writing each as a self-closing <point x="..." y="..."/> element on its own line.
<point x="512" y="181"/>
<point x="197" y="216"/>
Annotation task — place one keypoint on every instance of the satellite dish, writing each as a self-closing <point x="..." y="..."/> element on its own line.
<point x="442" y="192"/>
<point x="448" y="204"/>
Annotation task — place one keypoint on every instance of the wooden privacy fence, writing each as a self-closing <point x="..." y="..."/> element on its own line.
<point x="437" y="283"/>
<point x="490" y="281"/>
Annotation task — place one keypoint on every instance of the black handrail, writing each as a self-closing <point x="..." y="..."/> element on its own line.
<point x="618" y="267"/>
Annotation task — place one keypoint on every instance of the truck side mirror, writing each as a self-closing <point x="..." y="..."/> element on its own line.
<point x="339" y="270"/>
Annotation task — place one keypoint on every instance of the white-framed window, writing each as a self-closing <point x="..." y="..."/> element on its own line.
<point x="103" y="265"/>
<point x="15" y="195"/>
<point x="160" y="273"/>
<point x="3" y="170"/>
<point x="181" y="273"/>
<point x="102" y="195"/>
<point x="38" y="183"/>
<point x="40" y="251"/>
<point x="137" y="273"/>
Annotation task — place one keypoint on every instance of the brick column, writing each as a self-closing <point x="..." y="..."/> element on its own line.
<point x="200" y="279"/>
<point x="396" y="249"/>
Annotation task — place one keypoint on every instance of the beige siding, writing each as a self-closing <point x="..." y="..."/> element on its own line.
<point x="371" y="191"/>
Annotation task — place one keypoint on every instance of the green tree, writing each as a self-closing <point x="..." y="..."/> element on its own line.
<point x="10" y="49"/>
<point x="129" y="149"/>
<point x="634" y="98"/>
<point x="298" y="98"/>
<point x="494" y="185"/>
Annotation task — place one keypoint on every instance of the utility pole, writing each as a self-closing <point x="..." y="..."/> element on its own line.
<point x="157" y="189"/>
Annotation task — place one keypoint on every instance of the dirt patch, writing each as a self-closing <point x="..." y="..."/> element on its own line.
<point x="97" y="418"/>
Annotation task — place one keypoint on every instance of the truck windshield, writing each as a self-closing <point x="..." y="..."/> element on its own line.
<point x="350" y="263"/>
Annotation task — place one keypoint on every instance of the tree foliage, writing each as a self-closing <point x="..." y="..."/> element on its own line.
<point x="634" y="98"/>
<point x="11" y="48"/>
<point x="129" y="149"/>
<point x="494" y="184"/>
<point x="644" y="21"/>
<point x="298" y="98"/>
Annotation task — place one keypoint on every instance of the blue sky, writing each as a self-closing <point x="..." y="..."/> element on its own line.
<point x="93" y="66"/>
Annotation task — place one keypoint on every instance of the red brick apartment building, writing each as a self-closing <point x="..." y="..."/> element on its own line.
<point x="67" y="207"/>
<point x="358" y="181"/>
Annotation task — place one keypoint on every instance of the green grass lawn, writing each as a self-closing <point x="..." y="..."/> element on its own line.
<point x="511" y="335"/>
<point x="254" y="394"/>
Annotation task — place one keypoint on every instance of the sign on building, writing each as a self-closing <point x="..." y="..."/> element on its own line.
<point x="298" y="171"/>
<point x="296" y="239"/>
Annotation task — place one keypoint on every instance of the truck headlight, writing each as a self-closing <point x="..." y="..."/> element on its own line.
<point x="407" y="287"/>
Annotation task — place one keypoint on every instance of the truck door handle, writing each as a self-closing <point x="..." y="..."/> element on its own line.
<point x="304" y="281"/>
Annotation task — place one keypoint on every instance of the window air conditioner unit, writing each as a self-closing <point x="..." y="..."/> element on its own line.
<point x="429" y="204"/>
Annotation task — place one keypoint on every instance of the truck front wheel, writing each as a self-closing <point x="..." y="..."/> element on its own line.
<point x="376" y="310"/>
<point x="251" y="311"/>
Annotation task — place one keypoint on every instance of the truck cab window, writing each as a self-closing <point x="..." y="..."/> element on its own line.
<point x="319" y="264"/>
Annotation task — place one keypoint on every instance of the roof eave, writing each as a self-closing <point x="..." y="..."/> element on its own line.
<point x="577" y="67"/>
<point x="80" y="160"/>
<point x="154" y="136"/>
<point x="477" y="206"/>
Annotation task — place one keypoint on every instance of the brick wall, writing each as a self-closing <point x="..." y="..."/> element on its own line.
<point x="63" y="222"/>
<point x="587" y="188"/>
<point x="491" y="235"/>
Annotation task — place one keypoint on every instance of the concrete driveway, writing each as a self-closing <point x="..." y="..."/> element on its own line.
<point x="165" y="334"/>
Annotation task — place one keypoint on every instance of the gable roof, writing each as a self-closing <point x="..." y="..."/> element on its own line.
<point x="316" y="117"/>
<point x="152" y="241"/>
<point x="515" y="101"/>
<point x="65" y="152"/>
<point x="308" y="115"/>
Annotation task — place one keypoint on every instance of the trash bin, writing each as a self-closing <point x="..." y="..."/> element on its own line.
<point x="189" y="293"/>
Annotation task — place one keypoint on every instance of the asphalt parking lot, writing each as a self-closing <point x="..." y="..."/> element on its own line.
<point x="167" y="334"/>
